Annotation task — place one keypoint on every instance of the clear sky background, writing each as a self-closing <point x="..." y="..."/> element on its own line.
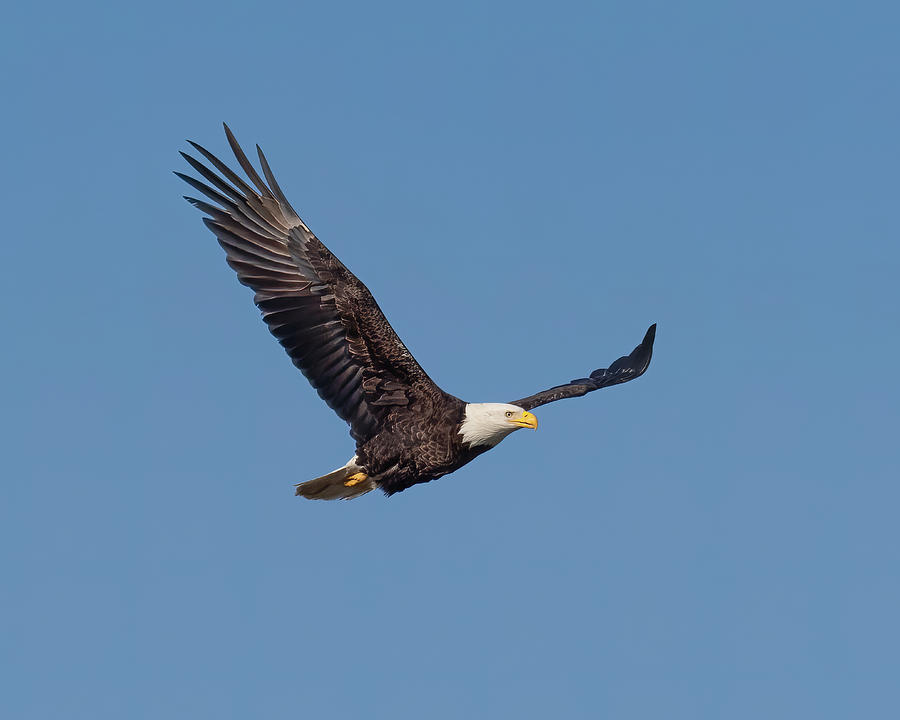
<point x="524" y="188"/>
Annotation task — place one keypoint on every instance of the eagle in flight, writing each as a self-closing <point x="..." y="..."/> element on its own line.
<point x="407" y="430"/>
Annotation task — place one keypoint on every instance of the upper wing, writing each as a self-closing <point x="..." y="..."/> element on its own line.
<point x="325" y="318"/>
<point x="622" y="370"/>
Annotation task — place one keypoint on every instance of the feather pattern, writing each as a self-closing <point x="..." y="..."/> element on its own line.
<point x="324" y="317"/>
<point x="622" y="370"/>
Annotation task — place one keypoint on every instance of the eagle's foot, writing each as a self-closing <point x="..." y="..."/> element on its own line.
<point x="355" y="479"/>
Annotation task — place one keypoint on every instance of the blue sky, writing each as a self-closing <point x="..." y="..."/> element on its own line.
<point x="524" y="188"/>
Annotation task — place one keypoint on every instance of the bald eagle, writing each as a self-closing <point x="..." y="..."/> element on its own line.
<point x="407" y="430"/>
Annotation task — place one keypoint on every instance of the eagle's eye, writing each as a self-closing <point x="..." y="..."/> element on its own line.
<point x="509" y="413"/>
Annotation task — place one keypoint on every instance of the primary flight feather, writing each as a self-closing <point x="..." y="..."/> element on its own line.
<point x="407" y="430"/>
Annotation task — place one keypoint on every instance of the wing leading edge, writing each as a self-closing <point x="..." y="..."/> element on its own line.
<point x="622" y="370"/>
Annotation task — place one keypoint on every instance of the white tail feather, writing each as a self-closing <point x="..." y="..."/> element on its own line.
<point x="332" y="487"/>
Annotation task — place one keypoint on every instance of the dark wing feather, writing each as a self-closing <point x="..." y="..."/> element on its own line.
<point x="325" y="318"/>
<point x="622" y="370"/>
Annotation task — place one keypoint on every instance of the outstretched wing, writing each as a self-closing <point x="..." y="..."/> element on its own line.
<point x="326" y="319"/>
<point x="622" y="370"/>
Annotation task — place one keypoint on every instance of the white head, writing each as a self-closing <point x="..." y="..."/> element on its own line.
<point x="489" y="423"/>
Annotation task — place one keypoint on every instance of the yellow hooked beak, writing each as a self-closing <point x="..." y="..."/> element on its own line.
<point x="525" y="420"/>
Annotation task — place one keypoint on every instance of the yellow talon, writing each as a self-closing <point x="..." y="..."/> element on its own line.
<point x="355" y="479"/>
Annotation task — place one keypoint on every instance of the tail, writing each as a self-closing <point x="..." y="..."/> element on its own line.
<point x="344" y="483"/>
